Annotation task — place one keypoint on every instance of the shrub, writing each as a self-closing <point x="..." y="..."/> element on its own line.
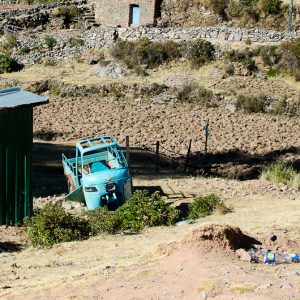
<point x="140" y="211"/>
<point x="297" y="75"/>
<point x="24" y="50"/>
<point x="229" y="69"/>
<point x="194" y="93"/>
<point x="102" y="220"/>
<point x="248" y="42"/>
<point x="235" y="9"/>
<point x="245" y="57"/>
<point x="49" y="41"/>
<point x="67" y="12"/>
<point x="8" y="64"/>
<point x="200" y="52"/>
<point x="272" y="72"/>
<point x="52" y="225"/>
<point x="251" y="104"/>
<point x="281" y="173"/>
<point x="49" y="63"/>
<point x="271" y="6"/>
<point x="55" y="91"/>
<point x="218" y="7"/>
<point x="142" y="52"/>
<point x="8" y="43"/>
<point x="249" y="64"/>
<point x="270" y="55"/>
<point x="76" y="42"/>
<point x="204" y="206"/>
<point x="291" y="56"/>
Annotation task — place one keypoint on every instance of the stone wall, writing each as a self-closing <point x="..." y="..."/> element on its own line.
<point x="211" y="33"/>
<point x="33" y="16"/>
<point x="100" y="38"/>
<point x="118" y="12"/>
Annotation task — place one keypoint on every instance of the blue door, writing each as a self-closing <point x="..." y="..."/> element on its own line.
<point x="135" y="15"/>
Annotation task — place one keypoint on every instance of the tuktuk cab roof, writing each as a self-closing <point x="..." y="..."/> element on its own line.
<point x="97" y="143"/>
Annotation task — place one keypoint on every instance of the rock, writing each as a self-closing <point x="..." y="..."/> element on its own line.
<point x="185" y="222"/>
<point x="109" y="69"/>
<point x="286" y="285"/>
<point x="243" y="255"/>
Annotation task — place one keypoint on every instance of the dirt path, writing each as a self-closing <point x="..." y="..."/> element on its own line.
<point x="143" y="266"/>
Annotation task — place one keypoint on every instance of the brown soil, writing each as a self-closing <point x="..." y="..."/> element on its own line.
<point x="181" y="262"/>
<point x="236" y="140"/>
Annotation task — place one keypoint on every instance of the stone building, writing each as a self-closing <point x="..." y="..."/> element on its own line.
<point x="124" y="13"/>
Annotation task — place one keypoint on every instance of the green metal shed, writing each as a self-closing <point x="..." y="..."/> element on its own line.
<point x="16" y="135"/>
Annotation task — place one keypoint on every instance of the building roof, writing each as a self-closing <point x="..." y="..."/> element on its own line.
<point x="15" y="97"/>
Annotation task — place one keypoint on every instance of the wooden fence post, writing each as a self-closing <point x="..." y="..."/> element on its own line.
<point x="157" y="156"/>
<point x="127" y="151"/>
<point x="188" y="156"/>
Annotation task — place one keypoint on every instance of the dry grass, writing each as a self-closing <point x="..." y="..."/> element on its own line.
<point x="209" y="285"/>
<point x="244" y="288"/>
<point x="253" y="213"/>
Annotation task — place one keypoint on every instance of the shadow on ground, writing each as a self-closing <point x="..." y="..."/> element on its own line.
<point x="49" y="180"/>
<point x="10" y="247"/>
<point x="237" y="164"/>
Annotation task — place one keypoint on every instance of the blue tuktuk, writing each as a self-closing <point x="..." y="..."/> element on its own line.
<point x="99" y="173"/>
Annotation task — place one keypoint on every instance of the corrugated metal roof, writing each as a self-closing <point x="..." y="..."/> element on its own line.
<point x="16" y="97"/>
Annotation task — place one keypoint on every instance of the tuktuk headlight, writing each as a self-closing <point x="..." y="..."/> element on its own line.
<point x="110" y="187"/>
<point x="91" y="189"/>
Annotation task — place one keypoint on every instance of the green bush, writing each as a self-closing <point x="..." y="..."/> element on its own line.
<point x="49" y="41"/>
<point x="200" y="52"/>
<point x="204" y="206"/>
<point x="251" y="104"/>
<point x="271" y="6"/>
<point x="244" y="57"/>
<point x="8" y="64"/>
<point x="24" y="50"/>
<point x="270" y="55"/>
<point x="194" y="93"/>
<point x="281" y="173"/>
<point x="52" y="225"/>
<point x="102" y="220"/>
<point x="7" y="44"/>
<point x="219" y="7"/>
<point x="272" y="72"/>
<point x="297" y="75"/>
<point x="67" y="12"/>
<point x="140" y="211"/>
<point x="290" y="60"/>
<point x="229" y="69"/>
<point x="143" y="52"/>
<point x="76" y="42"/>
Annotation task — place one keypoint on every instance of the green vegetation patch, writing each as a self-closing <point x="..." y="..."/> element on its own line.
<point x="8" y="64"/>
<point x="251" y="104"/>
<point x="143" y="54"/>
<point x="282" y="173"/>
<point x="204" y="206"/>
<point x="52" y="225"/>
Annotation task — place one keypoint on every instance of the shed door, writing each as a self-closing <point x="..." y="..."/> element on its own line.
<point x="135" y="15"/>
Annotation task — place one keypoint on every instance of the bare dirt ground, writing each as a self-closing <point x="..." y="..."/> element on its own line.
<point x="165" y="262"/>
<point x="236" y="139"/>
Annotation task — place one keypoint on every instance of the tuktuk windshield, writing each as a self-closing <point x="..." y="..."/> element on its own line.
<point x="104" y="159"/>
